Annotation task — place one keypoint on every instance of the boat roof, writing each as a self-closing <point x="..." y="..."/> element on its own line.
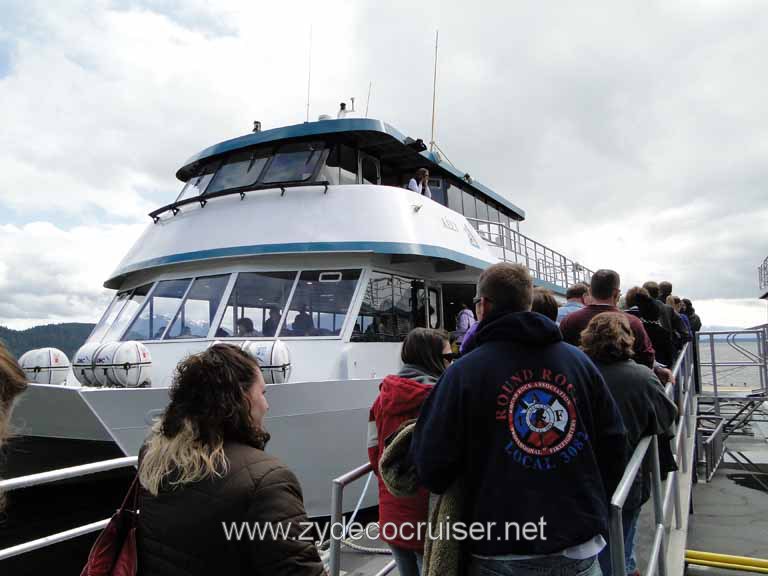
<point x="373" y="136"/>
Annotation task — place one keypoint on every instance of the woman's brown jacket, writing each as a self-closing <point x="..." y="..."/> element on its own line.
<point x="203" y="527"/>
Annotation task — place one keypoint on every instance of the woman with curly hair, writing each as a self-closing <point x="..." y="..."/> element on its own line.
<point x="608" y="340"/>
<point x="13" y="382"/>
<point x="203" y="469"/>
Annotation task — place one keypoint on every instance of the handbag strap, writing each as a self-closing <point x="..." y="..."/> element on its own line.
<point x="131" y="500"/>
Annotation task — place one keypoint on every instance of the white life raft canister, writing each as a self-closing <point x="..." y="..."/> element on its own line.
<point x="45" y="365"/>
<point x="273" y="357"/>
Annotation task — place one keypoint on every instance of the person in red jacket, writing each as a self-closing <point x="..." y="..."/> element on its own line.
<point x="425" y="354"/>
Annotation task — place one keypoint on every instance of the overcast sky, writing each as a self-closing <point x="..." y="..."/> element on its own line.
<point x="635" y="135"/>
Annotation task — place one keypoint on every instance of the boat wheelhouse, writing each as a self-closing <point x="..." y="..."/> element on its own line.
<point x="304" y="238"/>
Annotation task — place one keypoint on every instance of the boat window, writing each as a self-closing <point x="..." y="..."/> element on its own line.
<point x="493" y="216"/>
<point x="132" y="306"/>
<point x="240" y="170"/>
<point x="256" y="304"/>
<point x="320" y="303"/>
<point x="506" y="230"/>
<point x="370" y="170"/>
<point x="482" y="209"/>
<point x="392" y="306"/>
<point x="341" y="165"/>
<point x="194" y="317"/>
<point x="482" y="214"/>
<point x="468" y="204"/>
<point x="294" y="162"/>
<point x="436" y="187"/>
<point x="109" y="316"/>
<point x="454" y="198"/>
<point x="158" y="310"/>
<point x="197" y="184"/>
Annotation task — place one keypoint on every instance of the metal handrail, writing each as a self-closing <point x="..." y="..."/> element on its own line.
<point x="202" y="199"/>
<point x="337" y="499"/>
<point x="66" y="473"/>
<point x="662" y="493"/>
<point x="757" y="360"/>
<point x="54" y="476"/>
<point x="543" y="262"/>
<point x="52" y="539"/>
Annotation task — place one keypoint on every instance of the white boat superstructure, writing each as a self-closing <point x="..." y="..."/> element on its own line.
<point x="305" y="236"/>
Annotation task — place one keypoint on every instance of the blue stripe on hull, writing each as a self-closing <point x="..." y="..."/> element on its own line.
<point x="304" y="247"/>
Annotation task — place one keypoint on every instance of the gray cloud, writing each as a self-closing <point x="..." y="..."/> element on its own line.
<point x="634" y="135"/>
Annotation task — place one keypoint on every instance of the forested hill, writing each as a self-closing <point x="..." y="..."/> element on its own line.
<point x="66" y="337"/>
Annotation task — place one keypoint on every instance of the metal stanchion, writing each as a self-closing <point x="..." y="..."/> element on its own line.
<point x="658" y="503"/>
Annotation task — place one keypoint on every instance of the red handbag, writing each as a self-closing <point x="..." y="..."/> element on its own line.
<point x="114" y="552"/>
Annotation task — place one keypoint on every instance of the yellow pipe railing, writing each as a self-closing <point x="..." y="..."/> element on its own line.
<point x="726" y="561"/>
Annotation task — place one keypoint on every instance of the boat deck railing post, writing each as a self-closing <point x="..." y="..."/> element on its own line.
<point x="337" y="516"/>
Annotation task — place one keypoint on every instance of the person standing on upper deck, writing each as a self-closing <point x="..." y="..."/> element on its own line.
<point x="604" y="293"/>
<point x="420" y="183"/>
<point x="529" y="424"/>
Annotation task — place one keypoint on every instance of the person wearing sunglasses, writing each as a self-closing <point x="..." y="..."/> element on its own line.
<point x="426" y="354"/>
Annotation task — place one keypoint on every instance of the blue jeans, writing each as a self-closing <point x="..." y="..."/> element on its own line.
<point x="408" y="561"/>
<point x="629" y="519"/>
<point x="553" y="565"/>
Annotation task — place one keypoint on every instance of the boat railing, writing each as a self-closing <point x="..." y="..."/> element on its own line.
<point x="509" y="245"/>
<point x="738" y="402"/>
<point x="337" y="519"/>
<point x="666" y="495"/>
<point x="55" y="476"/>
<point x="203" y="199"/>
<point x="762" y="274"/>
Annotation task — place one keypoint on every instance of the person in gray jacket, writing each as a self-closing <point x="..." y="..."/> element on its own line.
<point x="644" y="406"/>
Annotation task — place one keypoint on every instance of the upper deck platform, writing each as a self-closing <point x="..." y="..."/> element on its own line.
<point x="369" y="136"/>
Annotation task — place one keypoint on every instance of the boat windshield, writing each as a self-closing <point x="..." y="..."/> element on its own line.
<point x="294" y="162"/>
<point x="288" y="304"/>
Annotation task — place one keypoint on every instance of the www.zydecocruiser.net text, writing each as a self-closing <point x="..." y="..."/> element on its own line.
<point x="448" y="530"/>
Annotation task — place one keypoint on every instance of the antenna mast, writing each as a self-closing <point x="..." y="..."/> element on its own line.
<point x="368" y="101"/>
<point x="309" y="70"/>
<point x="434" y="95"/>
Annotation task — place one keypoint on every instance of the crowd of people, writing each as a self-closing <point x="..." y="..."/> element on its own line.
<point x="532" y="422"/>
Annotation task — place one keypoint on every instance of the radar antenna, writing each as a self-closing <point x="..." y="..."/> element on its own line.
<point x="434" y="96"/>
<point x="368" y="101"/>
<point x="309" y="70"/>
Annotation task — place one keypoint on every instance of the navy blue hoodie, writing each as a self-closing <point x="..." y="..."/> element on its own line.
<point x="529" y="423"/>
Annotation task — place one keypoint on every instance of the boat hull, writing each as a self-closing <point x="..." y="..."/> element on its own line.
<point x="318" y="428"/>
